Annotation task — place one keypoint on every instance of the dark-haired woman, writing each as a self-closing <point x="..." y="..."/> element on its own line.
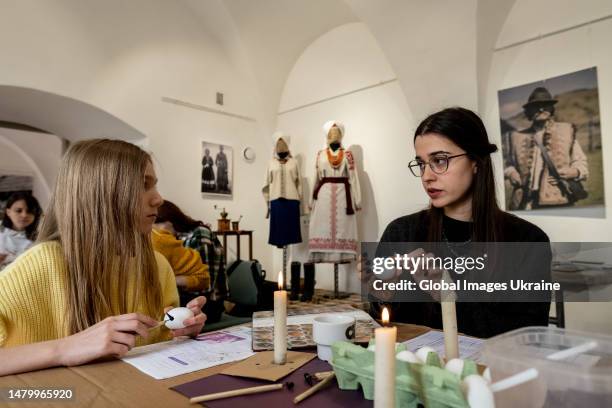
<point x="19" y="226"/>
<point x="193" y="250"/>
<point x="453" y="160"/>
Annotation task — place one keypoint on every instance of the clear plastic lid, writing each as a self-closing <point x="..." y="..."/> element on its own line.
<point x="574" y="368"/>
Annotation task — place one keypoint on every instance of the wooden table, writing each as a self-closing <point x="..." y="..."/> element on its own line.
<point x="237" y="234"/>
<point x="118" y="384"/>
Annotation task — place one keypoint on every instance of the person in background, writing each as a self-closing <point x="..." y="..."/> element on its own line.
<point x="92" y="287"/>
<point x="222" y="171"/>
<point x="208" y="174"/>
<point x="453" y="163"/>
<point x="198" y="239"/>
<point x="190" y="272"/>
<point x="19" y="226"/>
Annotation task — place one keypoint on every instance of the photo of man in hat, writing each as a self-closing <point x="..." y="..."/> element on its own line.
<point x="545" y="164"/>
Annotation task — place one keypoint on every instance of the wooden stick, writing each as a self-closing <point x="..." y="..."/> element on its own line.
<point x="314" y="389"/>
<point x="236" y="393"/>
<point x="322" y="375"/>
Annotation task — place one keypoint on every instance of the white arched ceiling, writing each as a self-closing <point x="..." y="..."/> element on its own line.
<point x="431" y="46"/>
<point x="274" y="34"/>
<point x="68" y="118"/>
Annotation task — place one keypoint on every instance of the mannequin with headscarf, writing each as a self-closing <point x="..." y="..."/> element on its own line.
<point x="336" y="198"/>
<point x="283" y="193"/>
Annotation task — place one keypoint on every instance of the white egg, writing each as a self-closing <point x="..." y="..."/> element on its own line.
<point x="455" y="366"/>
<point x="407" y="356"/>
<point x="174" y="317"/>
<point x="423" y="352"/>
<point x="487" y="375"/>
<point x="477" y="392"/>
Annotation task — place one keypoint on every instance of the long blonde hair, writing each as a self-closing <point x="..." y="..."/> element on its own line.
<point x="94" y="213"/>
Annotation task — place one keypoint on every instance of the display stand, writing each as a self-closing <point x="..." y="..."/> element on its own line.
<point x="337" y="294"/>
<point x="285" y="258"/>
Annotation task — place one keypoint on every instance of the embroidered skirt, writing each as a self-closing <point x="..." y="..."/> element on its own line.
<point x="332" y="232"/>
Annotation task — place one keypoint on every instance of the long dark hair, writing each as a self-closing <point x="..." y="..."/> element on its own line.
<point x="179" y="220"/>
<point x="32" y="207"/>
<point x="464" y="128"/>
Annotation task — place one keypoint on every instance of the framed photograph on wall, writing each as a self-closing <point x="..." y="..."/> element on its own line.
<point x="11" y="183"/>
<point x="217" y="169"/>
<point x="552" y="146"/>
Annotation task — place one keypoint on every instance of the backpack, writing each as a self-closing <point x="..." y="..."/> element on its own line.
<point x="248" y="289"/>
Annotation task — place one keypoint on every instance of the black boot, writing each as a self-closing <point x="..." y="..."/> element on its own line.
<point x="309" y="282"/>
<point x="295" y="280"/>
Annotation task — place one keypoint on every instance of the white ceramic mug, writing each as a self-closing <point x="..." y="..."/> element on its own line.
<point x="329" y="328"/>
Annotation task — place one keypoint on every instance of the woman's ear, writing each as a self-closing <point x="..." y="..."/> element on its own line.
<point x="474" y="167"/>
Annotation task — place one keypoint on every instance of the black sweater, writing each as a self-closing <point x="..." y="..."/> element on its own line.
<point x="475" y="319"/>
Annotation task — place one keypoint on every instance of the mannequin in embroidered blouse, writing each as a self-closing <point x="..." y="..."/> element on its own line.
<point x="283" y="192"/>
<point x="336" y="198"/>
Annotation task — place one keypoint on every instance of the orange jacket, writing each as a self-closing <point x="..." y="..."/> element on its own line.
<point x="184" y="261"/>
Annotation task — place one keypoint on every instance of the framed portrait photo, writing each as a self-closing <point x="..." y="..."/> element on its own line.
<point x="217" y="169"/>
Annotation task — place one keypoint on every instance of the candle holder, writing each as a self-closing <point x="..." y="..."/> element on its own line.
<point x="428" y="384"/>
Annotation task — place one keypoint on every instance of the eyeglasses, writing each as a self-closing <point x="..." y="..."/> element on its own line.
<point x="437" y="164"/>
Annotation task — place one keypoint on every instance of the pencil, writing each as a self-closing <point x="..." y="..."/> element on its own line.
<point x="236" y="393"/>
<point x="322" y="375"/>
<point x="314" y="389"/>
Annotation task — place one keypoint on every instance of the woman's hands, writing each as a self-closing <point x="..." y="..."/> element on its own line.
<point x="113" y="336"/>
<point x="193" y="325"/>
<point x="116" y="335"/>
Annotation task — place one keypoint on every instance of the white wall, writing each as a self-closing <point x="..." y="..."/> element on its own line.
<point x="377" y="121"/>
<point x="549" y="56"/>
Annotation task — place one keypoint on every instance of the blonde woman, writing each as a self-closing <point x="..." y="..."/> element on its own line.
<point x="92" y="287"/>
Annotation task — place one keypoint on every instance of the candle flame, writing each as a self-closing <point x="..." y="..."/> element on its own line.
<point x="280" y="280"/>
<point x="385" y="316"/>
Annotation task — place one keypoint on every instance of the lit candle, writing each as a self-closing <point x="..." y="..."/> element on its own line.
<point x="384" y="364"/>
<point x="449" y="321"/>
<point x="280" y="323"/>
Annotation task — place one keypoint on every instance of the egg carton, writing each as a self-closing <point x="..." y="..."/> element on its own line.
<point x="428" y="383"/>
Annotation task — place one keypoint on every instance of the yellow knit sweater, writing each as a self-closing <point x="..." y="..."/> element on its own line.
<point x="33" y="298"/>
<point x="184" y="261"/>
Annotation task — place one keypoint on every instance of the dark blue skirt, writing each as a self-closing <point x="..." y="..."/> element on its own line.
<point x="284" y="222"/>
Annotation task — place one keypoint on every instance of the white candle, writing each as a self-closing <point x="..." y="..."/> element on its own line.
<point x="280" y="323"/>
<point x="449" y="322"/>
<point x="384" y="364"/>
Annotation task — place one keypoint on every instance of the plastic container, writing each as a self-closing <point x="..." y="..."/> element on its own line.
<point x="582" y="379"/>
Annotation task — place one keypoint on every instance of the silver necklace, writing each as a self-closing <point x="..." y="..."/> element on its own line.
<point x="455" y="244"/>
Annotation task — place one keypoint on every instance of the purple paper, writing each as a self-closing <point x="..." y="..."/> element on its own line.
<point x="329" y="397"/>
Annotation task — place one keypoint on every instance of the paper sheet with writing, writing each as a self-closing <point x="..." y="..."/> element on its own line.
<point x="469" y="347"/>
<point x="176" y="357"/>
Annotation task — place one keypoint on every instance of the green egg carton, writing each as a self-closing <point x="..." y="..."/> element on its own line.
<point x="428" y="384"/>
